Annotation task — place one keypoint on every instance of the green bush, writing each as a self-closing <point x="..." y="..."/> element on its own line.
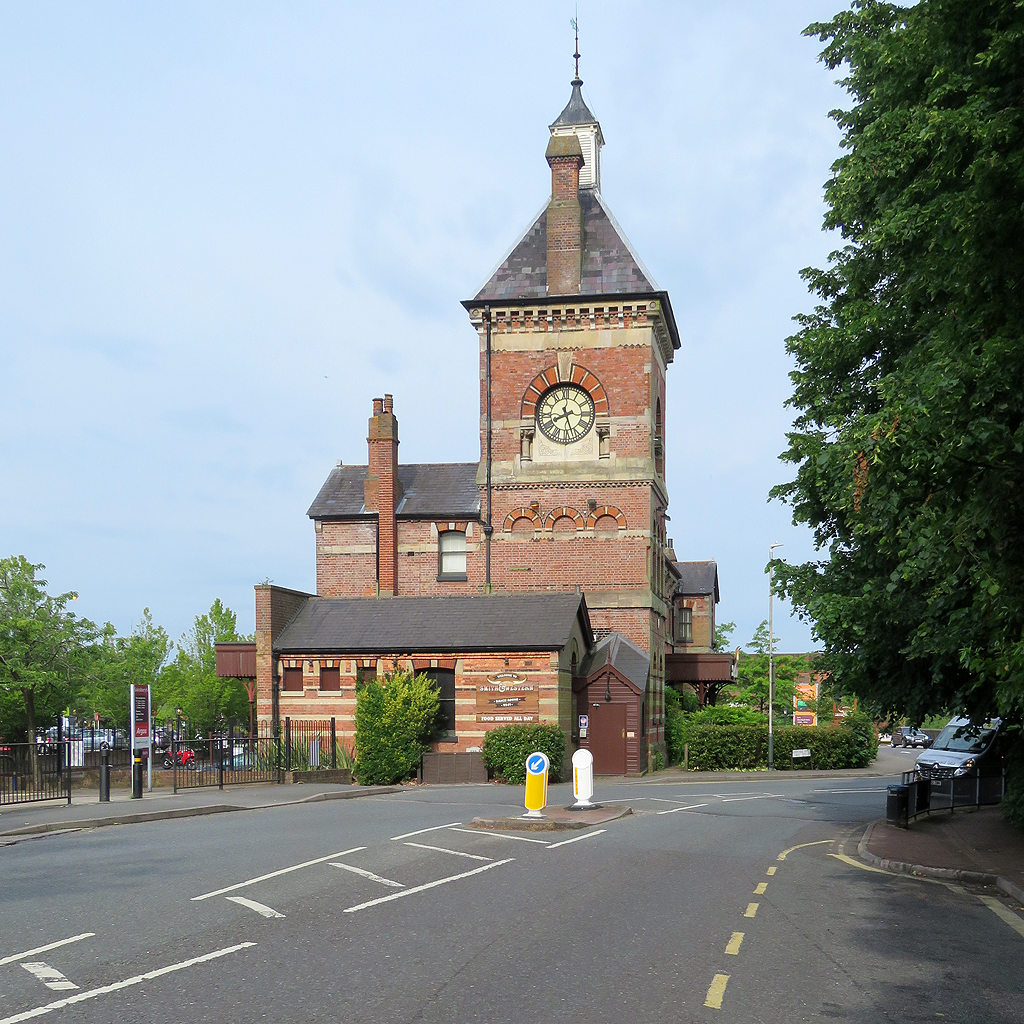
<point x="865" y="737"/>
<point x="715" y="748"/>
<point x="394" y="719"/>
<point x="507" y="748"/>
<point x="1013" y="801"/>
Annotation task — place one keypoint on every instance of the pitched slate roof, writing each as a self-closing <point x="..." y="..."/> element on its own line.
<point x="623" y="655"/>
<point x="610" y="264"/>
<point x="406" y="625"/>
<point x="697" y="578"/>
<point x="442" y="489"/>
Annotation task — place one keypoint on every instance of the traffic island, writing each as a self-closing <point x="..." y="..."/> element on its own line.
<point x="556" y="819"/>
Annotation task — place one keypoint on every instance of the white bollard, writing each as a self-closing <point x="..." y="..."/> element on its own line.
<point x="582" y="779"/>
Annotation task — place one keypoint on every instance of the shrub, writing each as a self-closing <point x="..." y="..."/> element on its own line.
<point x="394" y="719"/>
<point x="745" y="747"/>
<point x="865" y="738"/>
<point x="507" y="748"/>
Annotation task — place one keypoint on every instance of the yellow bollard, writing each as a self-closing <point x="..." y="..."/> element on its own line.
<point x="537" y="765"/>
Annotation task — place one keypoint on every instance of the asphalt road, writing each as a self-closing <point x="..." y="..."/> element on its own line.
<point x="382" y="910"/>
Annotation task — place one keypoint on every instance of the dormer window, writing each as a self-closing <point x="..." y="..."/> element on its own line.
<point x="451" y="555"/>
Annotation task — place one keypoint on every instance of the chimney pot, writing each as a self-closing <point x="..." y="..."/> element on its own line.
<point x="378" y="406"/>
<point x="388" y="403"/>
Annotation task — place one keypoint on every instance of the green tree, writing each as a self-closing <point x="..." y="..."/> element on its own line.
<point x="109" y="666"/>
<point x="40" y="640"/>
<point x="190" y="681"/>
<point x="723" y="635"/>
<point x="909" y="380"/>
<point x="752" y="673"/>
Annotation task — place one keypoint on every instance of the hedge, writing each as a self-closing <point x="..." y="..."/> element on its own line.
<point x="507" y="748"/>
<point x="394" y="719"/>
<point x="715" y="748"/>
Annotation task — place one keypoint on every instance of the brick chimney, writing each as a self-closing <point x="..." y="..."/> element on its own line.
<point x="382" y="491"/>
<point x="564" y="218"/>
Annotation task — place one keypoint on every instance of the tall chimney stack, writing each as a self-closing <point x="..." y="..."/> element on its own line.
<point x="382" y="491"/>
<point x="564" y="217"/>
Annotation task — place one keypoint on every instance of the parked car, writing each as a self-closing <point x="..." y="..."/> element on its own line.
<point x="962" y="747"/>
<point x="905" y="736"/>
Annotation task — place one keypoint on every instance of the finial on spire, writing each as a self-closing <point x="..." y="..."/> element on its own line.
<point x="576" y="28"/>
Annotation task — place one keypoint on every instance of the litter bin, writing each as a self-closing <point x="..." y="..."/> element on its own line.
<point x="896" y="805"/>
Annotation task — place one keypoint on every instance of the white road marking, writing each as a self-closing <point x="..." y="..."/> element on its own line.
<point x="849" y="791"/>
<point x="274" y="874"/>
<point x="420" y="888"/>
<point x="454" y="853"/>
<point x="370" y="875"/>
<point x="576" y="839"/>
<point x="763" y="796"/>
<point x="103" y="990"/>
<point x="50" y="976"/>
<point x="690" y="807"/>
<point x="499" y="835"/>
<point x="43" y="949"/>
<point x="663" y="800"/>
<point x="260" y="908"/>
<point x="419" y="832"/>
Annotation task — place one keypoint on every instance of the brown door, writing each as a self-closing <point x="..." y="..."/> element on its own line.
<point x="608" y="738"/>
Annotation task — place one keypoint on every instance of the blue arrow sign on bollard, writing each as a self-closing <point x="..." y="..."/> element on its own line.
<point x="536" y="763"/>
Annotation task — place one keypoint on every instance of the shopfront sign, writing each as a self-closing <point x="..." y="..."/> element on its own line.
<point x="508" y="698"/>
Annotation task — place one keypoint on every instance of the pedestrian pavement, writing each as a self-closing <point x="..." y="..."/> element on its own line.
<point x="969" y="845"/>
<point x="19" y="821"/>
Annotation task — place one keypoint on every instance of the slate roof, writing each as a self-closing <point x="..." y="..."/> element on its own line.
<point x="406" y="625"/>
<point x="576" y="110"/>
<point x="441" y="489"/>
<point x="623" y="655"/>
<point x="697" y="578"/>
<point x="610" y="265"/>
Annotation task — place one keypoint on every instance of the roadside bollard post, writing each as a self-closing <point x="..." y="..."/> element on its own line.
<point x="105" y="774"/>
<point x="537" y="765"/>
<point x="136" y="775"/>
<point x="582" y="780"/>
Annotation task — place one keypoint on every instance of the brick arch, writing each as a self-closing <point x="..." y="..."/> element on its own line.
<point x="521" y="513"/>
<point x="606" y="510"/>
<point x="565" y="510"/>
<point x="549" y="378"/>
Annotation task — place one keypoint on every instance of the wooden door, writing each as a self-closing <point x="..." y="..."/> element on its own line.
<point x="608" y="738"/>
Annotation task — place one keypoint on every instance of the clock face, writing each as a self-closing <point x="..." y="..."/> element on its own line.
<point x="565" y="413"/>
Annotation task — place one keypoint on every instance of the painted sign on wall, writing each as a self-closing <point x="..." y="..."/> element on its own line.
<point x="507" y="698"/>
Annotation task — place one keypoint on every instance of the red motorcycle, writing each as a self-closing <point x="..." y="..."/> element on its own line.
<point x="185" y="757"/>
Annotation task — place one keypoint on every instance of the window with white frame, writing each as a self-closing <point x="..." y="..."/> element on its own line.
<point x="451" y="555"/>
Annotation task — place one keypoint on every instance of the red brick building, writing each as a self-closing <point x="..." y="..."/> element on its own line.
<point x="569" y="494"/>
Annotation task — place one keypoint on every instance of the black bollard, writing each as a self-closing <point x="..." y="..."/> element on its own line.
<point x="105" y="775"/>
<point x="137" y="777"/>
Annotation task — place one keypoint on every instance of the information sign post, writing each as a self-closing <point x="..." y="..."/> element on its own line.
<point x="142" y="737"/>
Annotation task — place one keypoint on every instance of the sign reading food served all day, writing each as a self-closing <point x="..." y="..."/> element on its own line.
<point x="508" y="697"/>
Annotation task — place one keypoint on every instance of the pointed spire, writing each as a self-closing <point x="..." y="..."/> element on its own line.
<point x="576" y="119"/>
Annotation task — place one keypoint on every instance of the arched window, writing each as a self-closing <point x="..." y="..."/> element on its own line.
<point x="451" y="555"/>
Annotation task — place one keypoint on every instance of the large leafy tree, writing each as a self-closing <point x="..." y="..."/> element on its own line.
<point x="909" y="386"/>
<point x="41" y="642"/>
<point x="190" y="681"/>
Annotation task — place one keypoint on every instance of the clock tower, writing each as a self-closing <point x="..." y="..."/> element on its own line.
<point x="575" y="342"/>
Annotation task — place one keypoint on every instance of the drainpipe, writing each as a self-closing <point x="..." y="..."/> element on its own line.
<point x="488" y="528"/>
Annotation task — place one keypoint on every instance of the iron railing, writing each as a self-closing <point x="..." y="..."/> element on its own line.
<point x="30" y="772"/>
<point x="922" y="794"/>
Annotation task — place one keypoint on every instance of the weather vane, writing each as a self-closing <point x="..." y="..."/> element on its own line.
<point x="575" y="22"/>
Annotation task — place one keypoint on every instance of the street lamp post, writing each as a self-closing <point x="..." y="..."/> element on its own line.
<point x="771" y="662"/>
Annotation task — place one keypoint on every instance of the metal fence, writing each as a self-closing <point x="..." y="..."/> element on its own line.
<point x="38" y="771"/>
<point x="231" y="758"/>
<point x="918" y="794"/>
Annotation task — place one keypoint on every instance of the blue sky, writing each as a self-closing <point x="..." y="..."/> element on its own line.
<point x="226" y="227"/>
